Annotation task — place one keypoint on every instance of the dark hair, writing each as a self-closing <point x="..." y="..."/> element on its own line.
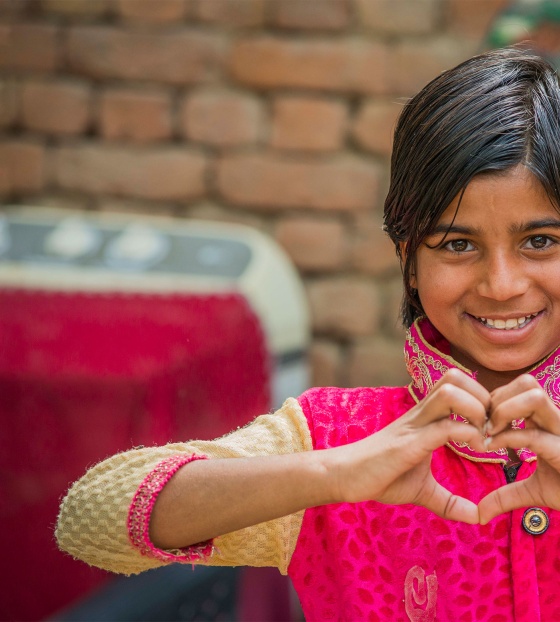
<point x="490" y="113"/>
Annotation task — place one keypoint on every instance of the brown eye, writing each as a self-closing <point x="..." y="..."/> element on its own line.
<point x="539" y="241"/>
<point x="458" y="246"/>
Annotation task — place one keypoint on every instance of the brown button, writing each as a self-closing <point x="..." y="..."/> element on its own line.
<point x="535" y="521"/>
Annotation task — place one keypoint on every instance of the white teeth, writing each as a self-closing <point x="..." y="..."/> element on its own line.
<point x="511" y="324"/>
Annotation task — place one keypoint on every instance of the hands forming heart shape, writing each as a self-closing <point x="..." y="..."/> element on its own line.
<point x="393" y="465"/>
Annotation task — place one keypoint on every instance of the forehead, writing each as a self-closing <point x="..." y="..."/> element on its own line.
<point x="500" y="200"/>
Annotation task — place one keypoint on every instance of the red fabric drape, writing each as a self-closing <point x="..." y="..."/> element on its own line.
<point x="83" y="376"/>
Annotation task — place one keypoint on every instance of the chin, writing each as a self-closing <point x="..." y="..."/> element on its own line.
<point x="512" y="367"/>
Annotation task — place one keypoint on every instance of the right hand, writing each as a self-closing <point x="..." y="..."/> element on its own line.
<point x="392" y="466"/>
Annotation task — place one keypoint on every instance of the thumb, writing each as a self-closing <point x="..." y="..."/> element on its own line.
<point x="449" y="506"/>
<point x="505" y="499"/>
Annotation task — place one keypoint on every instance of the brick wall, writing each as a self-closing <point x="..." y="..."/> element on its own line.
<point x="273" y="113"/>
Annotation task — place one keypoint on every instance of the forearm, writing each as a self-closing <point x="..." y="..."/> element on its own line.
<point x="209" y="498"/>
<point x="105" y="516"/>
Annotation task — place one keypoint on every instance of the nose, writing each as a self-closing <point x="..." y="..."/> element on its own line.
<point x="502" y="277"/>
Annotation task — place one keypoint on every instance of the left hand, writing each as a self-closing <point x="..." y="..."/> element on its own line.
<point x="525" y="399"/>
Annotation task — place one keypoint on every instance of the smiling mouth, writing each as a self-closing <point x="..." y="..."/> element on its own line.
<point x="509" y="324"/>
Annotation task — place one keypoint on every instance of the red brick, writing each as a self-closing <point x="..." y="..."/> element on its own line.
<point x="399" y="17"/>
<point x="232" y="13"/>
<point x="5" y="171"/>
<point x="153" y="11"/>
<point x="374" y="125"/>
<point x="139" y="115"/>
<point x="76" y="9"/>
<point x="183" y="57"/>
<point x="222" y="118"/>
<point x="8" y="102"/>
<point x="325" y="359"/>
<point x="372" y="250"/>
<point x="265" y="181"/>
<point x="169" y="173"/>
<point x="350" y="65"/>
<point x="22" y="167"/>
<point x="313" y="244"/>
<point x="10" y="9"/>
<point x="546" y="39"/>
<point x="472" y="18"/>
<point x="376" y="362"/>
<point x="61" y="107"/>
<point x="30" y="47"/>
<point x="310" y="14"/>
<point x="415" y="63"/>
<point x="28" y="167"/>
<point x="345" y="307"/>
<point x="308" y="124"/>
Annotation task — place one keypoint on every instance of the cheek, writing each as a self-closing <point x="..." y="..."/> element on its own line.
<point x="437" y="290"/>
<point x="431" y="298"/>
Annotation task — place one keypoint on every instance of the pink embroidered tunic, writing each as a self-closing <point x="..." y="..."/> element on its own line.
<point x="361" y="561"/>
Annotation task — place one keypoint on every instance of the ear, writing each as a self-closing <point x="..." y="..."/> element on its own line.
<point x="403" y="251"/>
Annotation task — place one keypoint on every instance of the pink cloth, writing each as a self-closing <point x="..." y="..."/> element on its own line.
<point x="369" y="561"/>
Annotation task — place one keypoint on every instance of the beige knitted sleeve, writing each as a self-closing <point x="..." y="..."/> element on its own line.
<point x="93" y="520"/>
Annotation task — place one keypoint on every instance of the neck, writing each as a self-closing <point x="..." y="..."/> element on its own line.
<point x="490" y="379"/>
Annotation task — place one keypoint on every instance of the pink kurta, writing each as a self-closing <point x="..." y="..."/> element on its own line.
<point x="369" y="561"/>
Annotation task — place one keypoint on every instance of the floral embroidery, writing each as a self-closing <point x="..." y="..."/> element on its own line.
<point x="421" y="367"/>
<point x="141" y="509"/>
<point x="551" y="377"/>
<point x="426" y="365"/>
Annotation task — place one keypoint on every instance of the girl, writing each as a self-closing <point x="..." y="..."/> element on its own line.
<point x="394" y="503"/>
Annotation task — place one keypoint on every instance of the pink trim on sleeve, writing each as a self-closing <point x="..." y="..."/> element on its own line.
<point x="141" y="510"/>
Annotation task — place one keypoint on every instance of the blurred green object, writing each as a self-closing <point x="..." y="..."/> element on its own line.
<point x="534" y="22"/>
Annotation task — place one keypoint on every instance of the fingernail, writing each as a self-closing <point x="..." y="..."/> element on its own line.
<point x="487" y="441"/>
<point x="488" y="427"/>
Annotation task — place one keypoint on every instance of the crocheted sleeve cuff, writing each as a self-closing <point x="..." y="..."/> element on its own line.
<point x="140" y="512"/>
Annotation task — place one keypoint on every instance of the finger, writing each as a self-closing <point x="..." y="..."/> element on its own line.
<point x="540" y="442"/>
<point x="505" y="499"/>
<point x="467" y="383"/>
<point x="522" y="383"/>
<point x="533" y="405"/>
<point x="449" y="506"/>
<point x="444" y="431"/>
<point x="447" y="399"/>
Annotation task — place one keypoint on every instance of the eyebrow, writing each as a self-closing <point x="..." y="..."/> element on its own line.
<point x="543" y="223"/>
<point x="532" y="225"/>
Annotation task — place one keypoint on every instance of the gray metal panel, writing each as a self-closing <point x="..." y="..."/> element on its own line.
<point x="184" y="254"/>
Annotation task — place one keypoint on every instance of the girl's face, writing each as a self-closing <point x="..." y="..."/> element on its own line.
<point x="492" y="288"/>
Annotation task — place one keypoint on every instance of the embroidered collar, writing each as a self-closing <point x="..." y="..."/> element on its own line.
<point x="428" y="357"/>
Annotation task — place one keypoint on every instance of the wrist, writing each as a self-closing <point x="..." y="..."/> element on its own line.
<point x="330" y="486"/>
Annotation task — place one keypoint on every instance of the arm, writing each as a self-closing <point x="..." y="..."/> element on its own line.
<point x="118" y="493"/>
<point x="206" y="499"/>
<point x="236" y="494"/>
